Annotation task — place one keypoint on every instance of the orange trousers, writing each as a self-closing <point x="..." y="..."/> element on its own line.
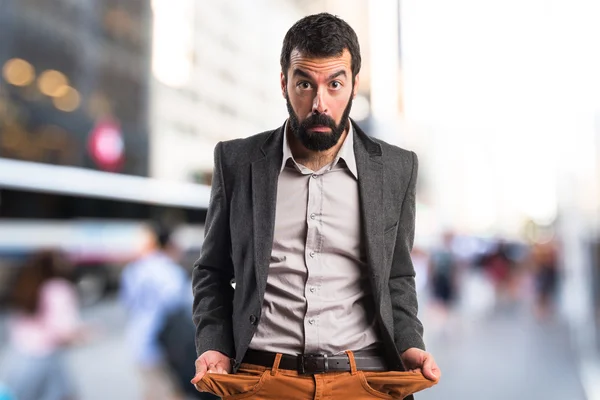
<point x="258" y="382"/>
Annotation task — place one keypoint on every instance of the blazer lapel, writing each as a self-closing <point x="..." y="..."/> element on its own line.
<point x="370" y="183"/>
<point x="265" y="174"/>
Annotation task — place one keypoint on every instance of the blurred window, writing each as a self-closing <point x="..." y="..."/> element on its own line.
<point x="173" y="53"/>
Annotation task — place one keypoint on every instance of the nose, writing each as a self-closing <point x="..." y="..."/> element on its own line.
<point x="319" y="106"/>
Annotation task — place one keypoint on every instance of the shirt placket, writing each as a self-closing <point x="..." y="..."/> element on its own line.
<point x="313" y="258"/>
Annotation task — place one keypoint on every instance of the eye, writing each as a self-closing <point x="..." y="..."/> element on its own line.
<point x="335" y="85"/>
<point x="303" y="85"/>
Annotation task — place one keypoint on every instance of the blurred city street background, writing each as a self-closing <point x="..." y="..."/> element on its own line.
<point x="110" y="111"/>
<point x="503" y="355"/>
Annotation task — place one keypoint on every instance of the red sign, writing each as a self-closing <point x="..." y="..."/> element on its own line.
<point x="106" y="145"/>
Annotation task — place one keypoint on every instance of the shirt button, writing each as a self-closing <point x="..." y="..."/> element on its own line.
<point x="315" y="176"/>
<point x="311" y="321"/>
<point x="312" y="254"/>
<point x="313" y="216"/>
<point x="253" y="319"/>
<point x="313" y="289"/>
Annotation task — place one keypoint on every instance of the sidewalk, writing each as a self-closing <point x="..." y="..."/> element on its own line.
<point x="506" y="354"/>
<point x="502" y="356"/>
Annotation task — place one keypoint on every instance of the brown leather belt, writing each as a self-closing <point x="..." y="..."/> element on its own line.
<point x="366" y="360"/>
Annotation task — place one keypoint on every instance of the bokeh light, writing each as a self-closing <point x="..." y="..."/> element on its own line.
<point x="18" y="72"/>
<point x="68" y="101"/>
<point x="53" y="83"/>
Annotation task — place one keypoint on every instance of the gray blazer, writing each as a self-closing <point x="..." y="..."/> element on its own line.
<point x="239" y="237"/>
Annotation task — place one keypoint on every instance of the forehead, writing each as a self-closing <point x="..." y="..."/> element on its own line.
<point x="318" y="65"/>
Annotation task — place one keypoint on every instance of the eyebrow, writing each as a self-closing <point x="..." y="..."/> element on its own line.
<point x="336" y="74"/>
<point x="299" y="72"/>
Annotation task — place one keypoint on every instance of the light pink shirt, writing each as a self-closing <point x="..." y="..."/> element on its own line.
<point x="57" y="319"/>
<point x="318" y="298"/>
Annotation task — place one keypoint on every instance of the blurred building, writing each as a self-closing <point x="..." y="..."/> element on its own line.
<point x="510" y="119"/>
<point x="74" y="86"/>
<point x="74" y="108"/>
<point x="215" y="77"/>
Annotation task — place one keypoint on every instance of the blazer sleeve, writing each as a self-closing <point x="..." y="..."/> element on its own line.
<point x="408" y="330"/>
<point x="213" y="272"/>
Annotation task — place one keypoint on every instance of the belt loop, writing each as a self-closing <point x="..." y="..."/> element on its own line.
<point x="352" y="361"/>
<point x="275" y="368"/>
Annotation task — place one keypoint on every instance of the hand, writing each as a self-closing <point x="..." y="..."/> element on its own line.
<point x="414" y="359"/>
<point x="211" y="361"/>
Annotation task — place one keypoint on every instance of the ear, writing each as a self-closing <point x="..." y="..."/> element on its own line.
<point x="356" y="82"/>
<point x="283" y="84"/>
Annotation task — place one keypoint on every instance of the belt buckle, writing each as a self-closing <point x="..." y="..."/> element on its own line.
<point x="313" y="364"/>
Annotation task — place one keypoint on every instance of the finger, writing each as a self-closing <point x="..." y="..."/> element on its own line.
<point x="200" y="372"/>
<point x="221" y="370"/>
<point x="428" y="365"/>
<point x="225" y="365"/>
<point x="212" y="368"/>
<point x="436" y="370"/>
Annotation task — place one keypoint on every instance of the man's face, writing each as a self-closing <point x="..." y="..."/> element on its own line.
<point x="319" y="94"/>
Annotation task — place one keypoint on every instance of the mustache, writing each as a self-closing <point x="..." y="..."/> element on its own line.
<point x="319" y="120"/>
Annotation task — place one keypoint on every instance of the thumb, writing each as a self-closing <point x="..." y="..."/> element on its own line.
<point x="201" y="368"/>
<point x="429" y="374"/>
<point x="428" y="369"/>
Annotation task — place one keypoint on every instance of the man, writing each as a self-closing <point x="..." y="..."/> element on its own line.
<point x="315" y="222"/>
<point x="153" y="290"/>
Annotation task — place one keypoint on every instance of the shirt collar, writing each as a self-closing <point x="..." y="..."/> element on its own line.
<point x="345" y="153"/>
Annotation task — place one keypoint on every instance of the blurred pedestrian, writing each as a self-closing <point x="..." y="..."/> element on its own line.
<point x="443" y="272"/>
<point x="44" y="321"/>
<point x="546" y="275"/>
<point x="315" y="222"/>
<point x="155" y="290"/>
<point x="501" y="270"/>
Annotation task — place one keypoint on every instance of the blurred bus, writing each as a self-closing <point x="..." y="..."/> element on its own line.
<point x="96" y="218"/>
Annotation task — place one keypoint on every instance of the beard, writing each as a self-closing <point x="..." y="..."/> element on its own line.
<point x="318" y="141"/>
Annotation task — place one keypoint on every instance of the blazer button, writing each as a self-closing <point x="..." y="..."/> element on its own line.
<point x="253" y="319"/>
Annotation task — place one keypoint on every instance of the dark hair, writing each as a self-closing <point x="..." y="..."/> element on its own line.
<point x="35" y="271"/>
<point x="321" y="35"/>
<point x="163" y="234"/>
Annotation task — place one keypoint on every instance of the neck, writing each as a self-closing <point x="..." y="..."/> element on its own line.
<point x="314" y="160"/>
